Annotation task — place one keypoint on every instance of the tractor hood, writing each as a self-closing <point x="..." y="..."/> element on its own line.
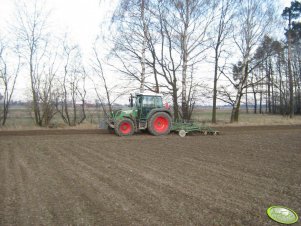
<point x="124" y="113"/>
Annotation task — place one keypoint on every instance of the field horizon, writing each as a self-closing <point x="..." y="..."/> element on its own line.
<point x="21" y="118"/>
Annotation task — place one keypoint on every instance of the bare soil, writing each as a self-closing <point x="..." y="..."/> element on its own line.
<point x="86" y="177"/>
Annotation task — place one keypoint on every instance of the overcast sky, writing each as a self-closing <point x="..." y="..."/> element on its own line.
<point x="80" y="18"/>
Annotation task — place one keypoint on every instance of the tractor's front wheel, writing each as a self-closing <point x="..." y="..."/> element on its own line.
<point x="159" y="124"/>
<point x="124" y="127"/>
<point x="110" y="130"/>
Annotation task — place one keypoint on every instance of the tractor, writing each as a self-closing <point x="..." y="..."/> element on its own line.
<point x="146" y="113"/>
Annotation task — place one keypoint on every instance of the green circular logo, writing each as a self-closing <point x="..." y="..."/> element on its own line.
<point x="282" y="214"/>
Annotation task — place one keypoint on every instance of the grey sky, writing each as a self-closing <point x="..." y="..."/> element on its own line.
<point x="81" y="19"/>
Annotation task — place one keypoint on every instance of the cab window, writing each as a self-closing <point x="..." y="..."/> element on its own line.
<point x="152" y="102"/>
<point x="149" y="102"/>
<point x="158" y="102"/>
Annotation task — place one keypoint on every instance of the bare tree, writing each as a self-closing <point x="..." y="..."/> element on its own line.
<point x="47" y="87"/>
<point x="98" y="69"/>
<point x="291" y="13"/>
<point x="144" y="26"/>
<point x="166" y="60"/>
<point x="193" y="19"/>
<point x="222" y="30"/>
<point x="33" y="41"/>
<point x="255" y="20"/>
<point x="8" y="78"/>
<point x="72" y="99"/>
<point x="107" y="92"/>
<point x="176" y="38"/>
<point x="127" y="12"/>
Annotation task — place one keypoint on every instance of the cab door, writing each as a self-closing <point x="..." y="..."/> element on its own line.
<point x="148" y="103"/>
<point x="139" y="106"/>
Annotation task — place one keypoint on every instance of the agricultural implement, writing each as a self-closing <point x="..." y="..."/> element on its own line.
<point x="149" y="114"/>
<point x="184" y="127"/>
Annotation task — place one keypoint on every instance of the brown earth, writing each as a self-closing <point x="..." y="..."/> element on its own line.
<point x="84" y="178"/>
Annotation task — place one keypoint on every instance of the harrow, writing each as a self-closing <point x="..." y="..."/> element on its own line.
<point x="184" y="127"/>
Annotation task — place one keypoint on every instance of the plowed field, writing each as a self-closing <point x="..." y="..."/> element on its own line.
<point x="87" y="178"/>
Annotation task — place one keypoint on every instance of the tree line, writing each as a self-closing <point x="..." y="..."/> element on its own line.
<point x="250" y="49"/>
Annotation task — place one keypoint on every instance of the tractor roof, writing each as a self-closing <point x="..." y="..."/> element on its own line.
<point x="149" y="94"/>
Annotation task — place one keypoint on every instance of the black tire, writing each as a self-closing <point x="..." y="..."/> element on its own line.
<point x="124" y="127"/>
<point x="159" y="124"/>
<point x="110" y="130"/>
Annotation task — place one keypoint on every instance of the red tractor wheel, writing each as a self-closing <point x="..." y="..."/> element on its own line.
<point x="124" y="127"/>
<point x="159" y="124"/>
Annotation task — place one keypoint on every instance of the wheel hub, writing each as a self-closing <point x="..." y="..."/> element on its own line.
<point x="161" y="124"/>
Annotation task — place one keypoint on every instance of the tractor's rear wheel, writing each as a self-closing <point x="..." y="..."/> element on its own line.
<point x="159" y="124"/>
<point x="124" y="127"/>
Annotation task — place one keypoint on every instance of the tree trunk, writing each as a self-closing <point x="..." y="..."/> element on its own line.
<point x="34" y="92"/>
<point x="184" y="42"/>
<point x="175" y="103"/>
<point x="290" y="75"/>
<point x="213" y="120"/>
<point x="236" y="107"/>
<point x="184" y="78"/>
<point x="255" y="98"/>
<point x="260" y="103"/>
<point x="143" y="47"/>
<point x="247" y="106"/>
<point x="291" y="86"/>
<point x="272" y="90"/>
<point x="298" y="82"/>
<point x="236" y="104"/>
<point x="280" y="86"/>
<point x="269" y="86"/>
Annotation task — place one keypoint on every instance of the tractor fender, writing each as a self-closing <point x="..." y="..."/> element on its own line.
<point x="153" y="111"/>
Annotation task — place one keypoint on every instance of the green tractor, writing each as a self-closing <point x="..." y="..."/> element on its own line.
<point x="147" y="113"/>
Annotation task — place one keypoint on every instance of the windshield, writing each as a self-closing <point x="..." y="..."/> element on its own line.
<point x="149" y="101"/>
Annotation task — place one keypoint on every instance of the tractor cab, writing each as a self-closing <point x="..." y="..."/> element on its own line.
<point x="145" y="103"/>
